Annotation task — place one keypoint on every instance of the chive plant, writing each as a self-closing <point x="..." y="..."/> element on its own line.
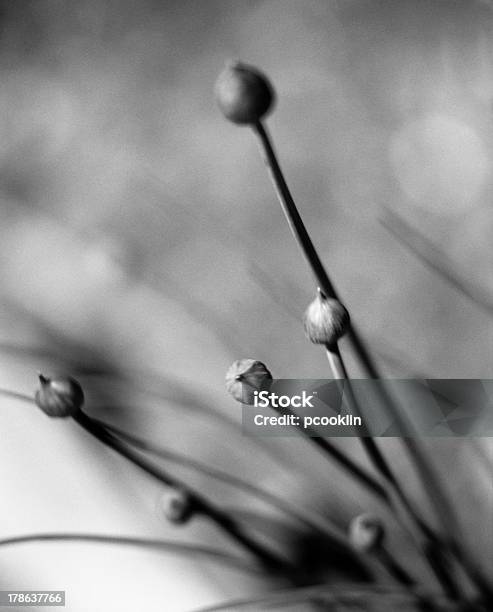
<point x="245" y="97"/>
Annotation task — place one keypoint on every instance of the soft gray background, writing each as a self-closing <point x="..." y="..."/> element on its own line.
<point x="136" y="223"/>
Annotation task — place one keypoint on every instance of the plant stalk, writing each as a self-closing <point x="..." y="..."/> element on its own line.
<point x="223" y="520"/>
<point x="166" y="546"/>
<point x="438" y="498"/>
<point x="305" y="517"/>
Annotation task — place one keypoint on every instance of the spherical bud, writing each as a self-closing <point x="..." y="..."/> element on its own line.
<point x="177" y="506"/>
<point x="243" y="93"/>
<point x="366" y="532"/>
<point x="245" y="377"/>
<point x="59" y="397"/>
<point x="325" y="320"/>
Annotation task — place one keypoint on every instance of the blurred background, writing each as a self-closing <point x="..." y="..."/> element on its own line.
<point x="139" y="235"/>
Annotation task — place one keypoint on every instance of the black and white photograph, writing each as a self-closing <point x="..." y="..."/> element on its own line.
<point x="246" y="305"/>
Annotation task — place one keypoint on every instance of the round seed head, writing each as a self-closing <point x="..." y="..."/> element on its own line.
<point x="366" y="532"/>
<point x="59" y="397"/>
<point x="326" y="320"/>
<point x="177" y="506"/>
<point x="243" y="93"/>
<point x="245" y="377"/>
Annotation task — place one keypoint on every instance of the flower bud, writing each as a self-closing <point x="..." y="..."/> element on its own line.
<point x="366" y="532"/>
<point x="325" y="320"/>
<point x="59" y="397"/>
<point x="243" y="93"/>
<point x="177" y="506"/>
<point x="246" y="376"/>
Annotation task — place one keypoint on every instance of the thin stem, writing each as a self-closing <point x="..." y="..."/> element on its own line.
<point x="431" y="483"/>
<point x="435" y="560"/>
<point x="433" y="552"/>
<point x="163" y="387"/>
<point x="344" y="461"/>
<point x="15" y="395"/>
<point x="102" y="430"/>
<point x="439" y="501"/>
<point x="339" y="372"/>
<point x="394" y="568"/>
<point x="291" y="212"/>
<point x="104" y="433"/>
<point x="302" y="236"/>
<point x="402" y="576"/>
<point x="305" y="517"/>
<point x="165" y="546"/>
<point x="201" y="505"/>
<point x="436" y="260"/>
<point x="332" y="452"/>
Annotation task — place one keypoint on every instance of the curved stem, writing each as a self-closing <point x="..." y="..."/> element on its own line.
<point x="150" y="383"/>
<point x="291" y="212"/>
<point x="302" y="236"/>
<point x="15" y="395"/>
<point x="436" y="260"/>
<point x="104" y="432"/>
<point x="201" y="505"/>
<point x="304" y="516"/>
<point x="435" y="560"/>
<point x="394" y="568"/>
<point x="332" y="452"/>
<point x="159" y="545"/>
<point x="431" y="483"/>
